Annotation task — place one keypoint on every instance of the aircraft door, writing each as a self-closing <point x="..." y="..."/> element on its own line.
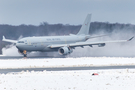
<point x="41" y="42"/>
<point x="28" y="42"/>
<point x="25" y="42"/>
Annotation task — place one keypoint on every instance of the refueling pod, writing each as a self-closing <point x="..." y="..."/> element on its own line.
<point x="101" y="45"/>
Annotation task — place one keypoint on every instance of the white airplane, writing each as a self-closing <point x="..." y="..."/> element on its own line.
<point x="63" y="44"/>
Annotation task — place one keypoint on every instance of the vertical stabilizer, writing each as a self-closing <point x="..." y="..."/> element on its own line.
<point x="85" y="27"/>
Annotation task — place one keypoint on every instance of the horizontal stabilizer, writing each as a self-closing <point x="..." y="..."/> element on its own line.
<point x="8" y="40"/>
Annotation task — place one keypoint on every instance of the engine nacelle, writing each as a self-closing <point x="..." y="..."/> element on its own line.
<point x="101" y="45"/>
<point x="65" y="50"/>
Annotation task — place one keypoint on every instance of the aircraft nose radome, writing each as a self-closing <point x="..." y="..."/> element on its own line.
<point x="17" y="45"/>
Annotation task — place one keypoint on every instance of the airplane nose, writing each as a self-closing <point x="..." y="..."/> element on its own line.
<point x="20" y="46"/>
<point x="17" y="45"/>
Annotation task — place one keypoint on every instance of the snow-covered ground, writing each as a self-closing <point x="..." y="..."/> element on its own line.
<point x="69" y="80"/>
<point x="118" y="79"/>
<point x="65" y="62"/>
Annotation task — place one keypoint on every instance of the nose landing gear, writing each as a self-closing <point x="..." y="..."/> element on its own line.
<point x="25" y="54"/>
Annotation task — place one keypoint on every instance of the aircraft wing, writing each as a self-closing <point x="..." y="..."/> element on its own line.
<point x="77" y="44"/>
<point x="8" y="40"/>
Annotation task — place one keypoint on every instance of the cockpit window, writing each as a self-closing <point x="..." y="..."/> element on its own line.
<point x="20" y="41"/>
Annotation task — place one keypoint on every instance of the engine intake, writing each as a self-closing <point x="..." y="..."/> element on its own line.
<point x="65" y="50"/>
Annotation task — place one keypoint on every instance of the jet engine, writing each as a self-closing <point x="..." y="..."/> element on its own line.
<point x="101" y="45"/>
<point x="65" y="50"/>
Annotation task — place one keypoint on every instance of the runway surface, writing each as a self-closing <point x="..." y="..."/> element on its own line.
<point x="5" y="71"/>
<point x="29" y="57"/>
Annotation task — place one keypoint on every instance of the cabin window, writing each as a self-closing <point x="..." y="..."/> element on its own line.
<point x="20" y="41"/>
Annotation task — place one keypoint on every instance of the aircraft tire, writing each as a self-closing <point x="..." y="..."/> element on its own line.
<point x="25" y="55"/>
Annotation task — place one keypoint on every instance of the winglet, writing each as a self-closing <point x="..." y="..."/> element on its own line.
<point x="4" y="37"/>
<point x="130" y="39"/>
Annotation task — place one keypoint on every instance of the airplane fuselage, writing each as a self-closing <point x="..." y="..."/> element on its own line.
<point x="41" y="43"/>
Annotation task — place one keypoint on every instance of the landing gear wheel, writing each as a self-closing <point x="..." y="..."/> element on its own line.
<point x="25" y="53"/>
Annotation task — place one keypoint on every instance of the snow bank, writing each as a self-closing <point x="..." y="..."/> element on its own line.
<point x="69" y="80"/>
<point x="65" y="62"/>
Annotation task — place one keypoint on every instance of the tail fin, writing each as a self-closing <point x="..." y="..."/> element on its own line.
<point x="85" y="27"/>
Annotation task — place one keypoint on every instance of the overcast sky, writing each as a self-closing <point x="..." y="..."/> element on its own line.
<point x="16" y="12"/>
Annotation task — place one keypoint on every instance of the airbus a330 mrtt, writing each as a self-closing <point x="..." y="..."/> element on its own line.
<point x="63" y="44"/>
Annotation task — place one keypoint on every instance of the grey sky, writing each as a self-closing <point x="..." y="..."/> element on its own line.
<point x="16" y="12"/>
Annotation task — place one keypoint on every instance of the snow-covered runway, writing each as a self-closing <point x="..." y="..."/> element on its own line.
<point x="65" y="62"/>
<point x="117" y="79"/>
